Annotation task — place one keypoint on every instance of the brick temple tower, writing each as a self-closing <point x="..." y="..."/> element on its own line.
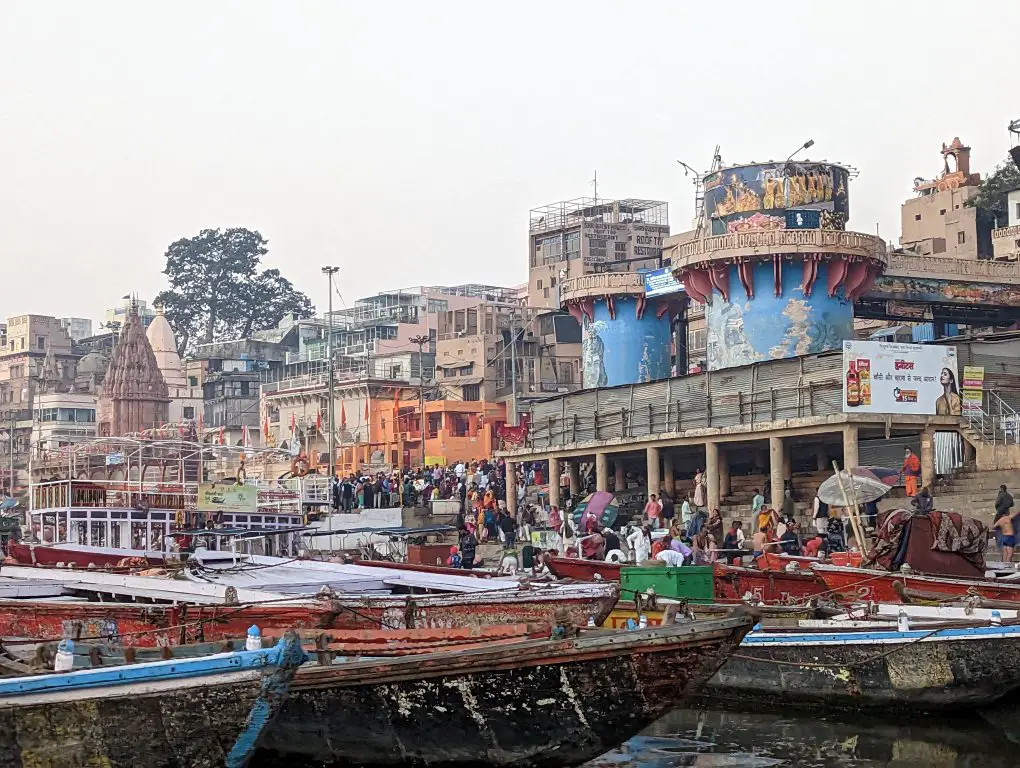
<point x="134" y="395"/>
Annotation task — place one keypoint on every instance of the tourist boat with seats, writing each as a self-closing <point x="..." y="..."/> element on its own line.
<point x="205" y="711"/>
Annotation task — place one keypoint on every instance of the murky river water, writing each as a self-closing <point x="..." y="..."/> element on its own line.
<point x="711" y="739"/>
<point x="715" y="739"/>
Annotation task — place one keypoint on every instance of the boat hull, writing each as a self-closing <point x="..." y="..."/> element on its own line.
<point x="200" y="713"/>
<point x="583" y="570"/>
<point x="953" y="669"/>
<point x="41" y="554"/>
<point x="860" y="584"/>
<point x="770" y="587"/>
<point x="147" y="625"/>
<point x="553" y="703"/>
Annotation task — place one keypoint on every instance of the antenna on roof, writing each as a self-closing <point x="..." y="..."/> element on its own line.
<point x="595" y="183"/>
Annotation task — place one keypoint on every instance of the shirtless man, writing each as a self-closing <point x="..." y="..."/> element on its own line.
<point x="1008" y="537"/>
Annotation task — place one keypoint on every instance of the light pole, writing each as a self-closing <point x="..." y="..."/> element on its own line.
<point x="806" y="145"/>
<point x="329" y="272"/>
<point x="421" y="341"/>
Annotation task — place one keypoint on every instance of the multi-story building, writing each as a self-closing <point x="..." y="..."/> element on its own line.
<point x="115" y="316"/>
<point x="1006" y="240"/>
<point x="77" y="328"/>
<point x="61" y="418"/>
<point x="579" y="237"/>
<point x="938" y="220"/>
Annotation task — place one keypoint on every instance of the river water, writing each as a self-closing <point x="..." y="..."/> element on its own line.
<point x="714" y="739"/>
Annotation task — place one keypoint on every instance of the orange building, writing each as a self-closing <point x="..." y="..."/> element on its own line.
<point x="456" y="430"/>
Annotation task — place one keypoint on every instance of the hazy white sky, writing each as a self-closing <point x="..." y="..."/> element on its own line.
<point x="406" y="141"/>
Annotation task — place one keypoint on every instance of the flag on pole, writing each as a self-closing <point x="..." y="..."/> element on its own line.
<point x="223" y="434"/>
<point x="318" y="422"/>
<point x="343" y="416"/>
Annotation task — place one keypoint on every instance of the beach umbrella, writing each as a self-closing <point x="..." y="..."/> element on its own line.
<point x="887" y="475"/>
<point x="602" y="505"/>
<point x="864" y="488"/>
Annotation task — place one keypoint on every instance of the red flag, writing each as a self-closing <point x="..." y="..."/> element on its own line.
<point x="293" y="425"/>
<point x="366" y="410"/>
<point x="343" y="416"/>
<point x="318" y="422"/>
<point x="223" y="428"/>
<point x="265" y="428"/>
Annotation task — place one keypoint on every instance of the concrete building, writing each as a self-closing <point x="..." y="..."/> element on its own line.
<point x="1006" y="240"/>
<point x="77" y="328"/>
<point x="938" y="220"/>
<point x="186" y="399"/>
<point x="579" y="237"/>
<point x="61" y="418"/>
<point x="115" y="317"/>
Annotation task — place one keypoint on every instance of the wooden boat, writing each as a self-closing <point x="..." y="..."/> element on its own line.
<point x="583" y="570"/>
<point x="922" y="669"/>
<point x="207" y="711"/>
<point x="885" y="587"/>
<point x="442" y="570"/>
<point x="665" y="611"/>
<point x="534" y="703"/>
<point x="173" y="620"/>
<point x="733" y="582"/>
<point x="80" y="555"/>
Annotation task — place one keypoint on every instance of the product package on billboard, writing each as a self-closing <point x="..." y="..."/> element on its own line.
<point x="880" y="377"/>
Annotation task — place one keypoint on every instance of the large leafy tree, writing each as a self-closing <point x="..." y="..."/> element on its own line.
<point x="217" y="291"/>
<point x="991" y="197"/>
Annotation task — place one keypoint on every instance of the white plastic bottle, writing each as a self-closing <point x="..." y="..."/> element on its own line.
<point x="64" y="661"/>
<point x="254" y="640"/>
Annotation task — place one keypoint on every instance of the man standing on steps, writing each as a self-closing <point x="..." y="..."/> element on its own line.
<point x="911" y="471"/>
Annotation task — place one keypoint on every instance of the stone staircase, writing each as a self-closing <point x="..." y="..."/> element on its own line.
<point x="969" y="492"/>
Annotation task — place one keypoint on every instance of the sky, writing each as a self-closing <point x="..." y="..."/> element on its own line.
<point x="405" y="142"/>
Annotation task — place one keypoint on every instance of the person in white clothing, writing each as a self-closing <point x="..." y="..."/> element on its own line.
<point x="671" y="557"/>
<point x="638" y="544"/>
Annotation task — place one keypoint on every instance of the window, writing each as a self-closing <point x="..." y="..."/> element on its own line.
<point x="189" y="411"/>
<point x="435" y="420"/>
<point x="193" y="381"/>
<point x="545" y="293"/>
<point x="40" y="342"/>
<point x="942" y="212"/>
<point x="917" y="217"/>
<point x="538" y="284"/>
<point x="961" y="237"/>
<point x="552" y="281"/>
<point x="698" y="339"/>
<point x="471" y="392"/>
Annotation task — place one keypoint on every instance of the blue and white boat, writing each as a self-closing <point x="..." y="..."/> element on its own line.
<point x="200" y="712"/>
<point x="932" y="668"/>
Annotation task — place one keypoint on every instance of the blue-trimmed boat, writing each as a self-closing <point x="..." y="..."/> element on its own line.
<point x="947" y="668"/>
<point x="201" y="713"/>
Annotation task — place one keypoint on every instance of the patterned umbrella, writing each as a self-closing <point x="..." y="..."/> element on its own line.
<point x="890" y="477"/>
<point x="600" y="504"/>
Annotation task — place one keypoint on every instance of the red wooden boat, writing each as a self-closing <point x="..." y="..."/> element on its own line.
<point x="151" y="624"/>
<point x="771" y="561"/>
<point x="583" y="570"/>
<point x="880" y="586"/>
<point x="732" y="582"/>
<point x="80" y="555"/>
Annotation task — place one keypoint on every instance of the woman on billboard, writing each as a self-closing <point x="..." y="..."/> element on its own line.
<point x="948" y="403"/>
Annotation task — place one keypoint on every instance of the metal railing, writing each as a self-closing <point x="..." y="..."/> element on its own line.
<point x="997" y="421"/>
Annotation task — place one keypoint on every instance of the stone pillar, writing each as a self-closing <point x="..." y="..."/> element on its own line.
<point x="850" y="459"/>
<point x="601" y="472"/>
<point x="776" y="471"/>
<point x="928" y="458"/>
<point x="511" y="486"/>
<point x="620" y="476"/>
<point x="787" y="461"/>
<point x="724" y="474"/>
<point x="574" y="468"/>
<point x="712" y="474"/>
<point x="668" y="478"/>
<point x="822" y="458"/>
<point x="654" y="471"/>
<point x="554" y="483"/>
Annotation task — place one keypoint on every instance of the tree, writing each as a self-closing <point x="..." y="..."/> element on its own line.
<point x="216" y="289"/>
<point x="991" y="197"/>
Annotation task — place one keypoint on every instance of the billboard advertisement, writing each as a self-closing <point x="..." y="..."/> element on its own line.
<point x="777" y="196"/>
<point x="880" y="377"/>
<point x="222" y="497"/>
<point x="660" y="282"/>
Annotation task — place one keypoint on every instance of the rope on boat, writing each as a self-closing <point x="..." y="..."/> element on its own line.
<point x="851" y="665"/>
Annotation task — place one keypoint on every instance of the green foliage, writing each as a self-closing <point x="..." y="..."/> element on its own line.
<point x="991" y="197"/>
<point x="217" y="291"/>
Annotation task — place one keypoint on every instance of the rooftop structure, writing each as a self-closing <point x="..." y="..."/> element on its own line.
<point x="578" y="237"/>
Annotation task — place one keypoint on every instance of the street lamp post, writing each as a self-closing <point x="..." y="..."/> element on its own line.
<point x="806" y="145"/>
<point x="329" y="272"/>
<point x="421" y="341"/>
